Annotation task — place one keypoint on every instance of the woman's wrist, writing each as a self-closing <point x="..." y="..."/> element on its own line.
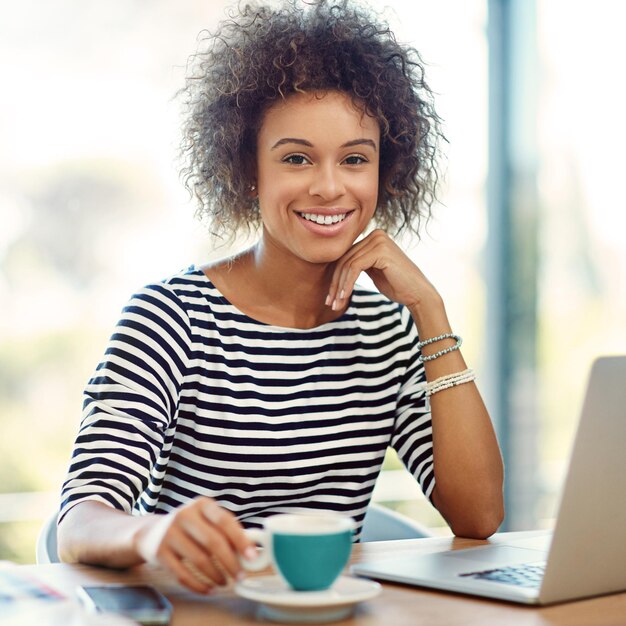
<point x="429" y="315"/>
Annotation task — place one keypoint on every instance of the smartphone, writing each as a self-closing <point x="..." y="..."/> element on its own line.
<point x="142" y="603"/>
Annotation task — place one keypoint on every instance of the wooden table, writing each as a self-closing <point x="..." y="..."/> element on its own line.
<point x="397" y="605"/>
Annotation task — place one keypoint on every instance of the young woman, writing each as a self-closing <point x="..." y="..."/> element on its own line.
<point x="269" y="382"/>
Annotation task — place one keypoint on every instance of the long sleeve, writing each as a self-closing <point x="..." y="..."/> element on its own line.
<point x="412" y="437"/>
<point x="131" y="401"/>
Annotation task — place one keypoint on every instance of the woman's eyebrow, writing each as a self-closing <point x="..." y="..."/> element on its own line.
<point x="359" y="142"/>
<point x="304" y="142"/>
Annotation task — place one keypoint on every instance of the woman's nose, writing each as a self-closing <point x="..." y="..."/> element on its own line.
<point x="327" y="182"/>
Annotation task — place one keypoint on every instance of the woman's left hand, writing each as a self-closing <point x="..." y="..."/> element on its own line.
<point x="391" y="270"/>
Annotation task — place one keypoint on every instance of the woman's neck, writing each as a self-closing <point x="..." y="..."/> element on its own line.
<point x="275" y="290"/>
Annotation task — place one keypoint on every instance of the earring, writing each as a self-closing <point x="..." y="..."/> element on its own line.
<point x="252" y="187"/>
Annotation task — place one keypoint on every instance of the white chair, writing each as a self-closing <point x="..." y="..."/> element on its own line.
<point x="383" y="524"/>
<point x="46" y="548"/>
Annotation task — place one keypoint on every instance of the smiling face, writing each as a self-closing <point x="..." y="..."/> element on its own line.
<point x="317" y="175"/>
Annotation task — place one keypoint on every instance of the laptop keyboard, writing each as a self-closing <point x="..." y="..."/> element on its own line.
<point x="525" y="575"/>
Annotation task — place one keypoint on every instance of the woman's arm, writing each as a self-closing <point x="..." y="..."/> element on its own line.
<point x="467" y="461"/>
<point x="198" y="538"/>
<point x="129" y="404"/>
<point x="92" y="532"/>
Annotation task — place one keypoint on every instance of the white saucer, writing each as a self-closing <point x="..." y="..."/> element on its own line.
<point x="282" y="604"/>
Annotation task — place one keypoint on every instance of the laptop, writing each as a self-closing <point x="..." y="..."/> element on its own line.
<point x="584" y="556"/>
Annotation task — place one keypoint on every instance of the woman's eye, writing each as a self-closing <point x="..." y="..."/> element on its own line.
<point x="355" y="159"/>
<point x="295" y="159"/>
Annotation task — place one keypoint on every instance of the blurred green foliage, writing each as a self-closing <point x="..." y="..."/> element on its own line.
<point x="17" y="541"/>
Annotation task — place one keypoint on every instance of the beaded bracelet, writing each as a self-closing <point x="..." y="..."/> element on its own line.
<point x="451" y="380"/>
<point x="422" y="359"/>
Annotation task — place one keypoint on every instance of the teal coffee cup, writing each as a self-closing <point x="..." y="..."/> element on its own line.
<point x="309" y="551"/>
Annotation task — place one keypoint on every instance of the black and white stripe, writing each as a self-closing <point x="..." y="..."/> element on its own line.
<point x="193" y="397"/>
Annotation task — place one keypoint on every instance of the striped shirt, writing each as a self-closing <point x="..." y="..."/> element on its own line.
<point x="193" y="397"/>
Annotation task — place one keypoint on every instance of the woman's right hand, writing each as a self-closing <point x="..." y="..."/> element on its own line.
<point x="200" y="543"/>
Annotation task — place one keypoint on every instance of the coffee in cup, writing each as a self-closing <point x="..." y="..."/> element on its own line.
<point x="309" y="551"/>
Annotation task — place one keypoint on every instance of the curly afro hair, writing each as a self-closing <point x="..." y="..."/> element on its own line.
<point x="262" y="54"/>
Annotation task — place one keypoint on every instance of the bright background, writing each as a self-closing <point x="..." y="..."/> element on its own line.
<point x="91" y="208"/>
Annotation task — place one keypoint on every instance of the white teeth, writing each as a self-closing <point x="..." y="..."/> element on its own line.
<point x="324" y="219"/>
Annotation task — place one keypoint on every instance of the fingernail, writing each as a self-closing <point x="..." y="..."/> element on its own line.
<point x="327" y="301"/>
<point x="250" y="553"/>
<point x="342" y="295"/>
<point x="212" y="513"/>
<point x="334" y="305"/>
